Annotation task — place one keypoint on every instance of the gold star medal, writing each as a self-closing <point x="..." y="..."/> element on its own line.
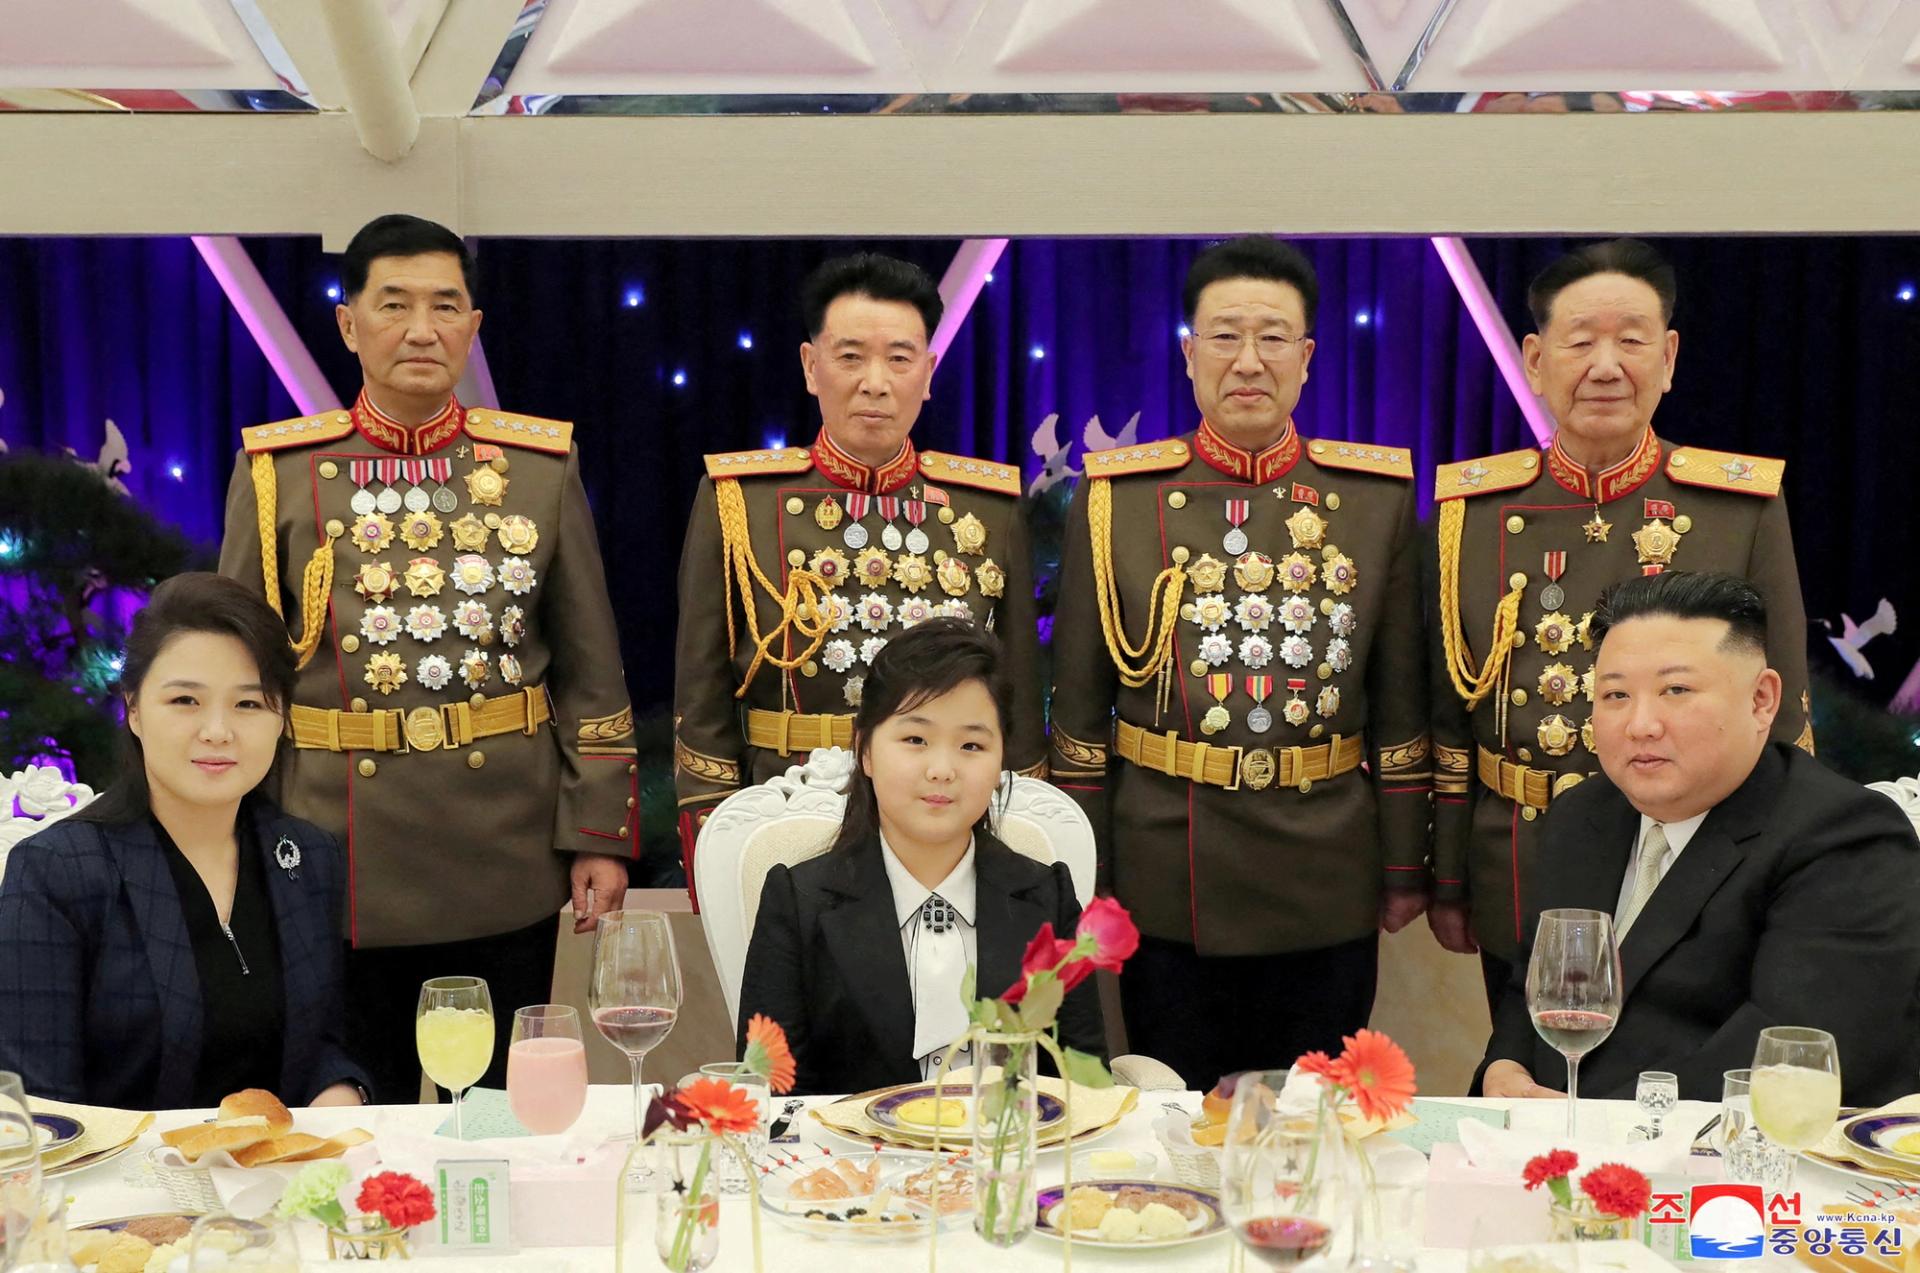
<point x="517" y="533"/>
<point x="910" y="572"/>
<point x="1207" y="573"/>
<point x="1556" y="735"/>
<point x="1596" y="529"/>
<point x="420" y="531"/>
<point x="1329" y="700"/>
<point x="1295" y="710"/>
<point x="425" y="578"/>
<point x="1308" y="528"/>
<point x="1656" y="542"/>
<point x="386" y="672"/>
<point x="473" y="668"/>
<point x="873" y="567"/>
<point x="827" y="514"/>
<point x="372" y="533"/>
<point x="992" y="579"/>
<point x="469" y="534"/>
<point x="1583" y="631"/>
<point x="1558" y="684"/>
<point x="1339" y="573"/>
<point x="970" y="535"/>
<point x="954" y="577"/>
<point x="1586" y="736"/>
<point x="1297" y="572"/>
<point x="830" y="564"/>
<point x="1555" y="633"/>
<point x="1587" y="684"/>
<point x="484" y="486"/>
<point x="1253" y="571"/>
<point x="375" y="581"/>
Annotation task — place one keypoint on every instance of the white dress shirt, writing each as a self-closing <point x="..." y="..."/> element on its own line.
<point x="936" y="962"/>
<point x="1678" y="834"/>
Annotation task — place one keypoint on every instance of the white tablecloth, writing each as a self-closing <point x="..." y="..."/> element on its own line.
<point x="101" y="1193"/>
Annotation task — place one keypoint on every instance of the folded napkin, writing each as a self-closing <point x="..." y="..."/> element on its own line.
<point x="1506" y="1152"/>
<point x="104" y="1128"/>
<point x="1835" y="1148"/>
<point x="1302" y="1093"/>
<point x="1094" y="1109"/>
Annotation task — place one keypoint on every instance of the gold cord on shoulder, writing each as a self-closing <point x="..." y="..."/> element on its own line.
<point x="800" y="604"/>
<point x="316" y="580"/>
<point x="1470" y="683"/>
<point x="1136" y="664"/>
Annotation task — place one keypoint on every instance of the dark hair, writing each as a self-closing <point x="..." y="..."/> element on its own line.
<point x="1631" y="257"/>
<point x="1254" y="256"/>
<point x="194" y="602"/>
<point x="873" y="275"/>
<point x="1687" y="594"/>
<point x="930" y="659"/>
<point x="398" y="234"/>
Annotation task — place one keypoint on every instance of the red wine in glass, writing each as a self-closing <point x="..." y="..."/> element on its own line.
<point x="634" y="1030"/>
<point x="1572" y="1032"/>
<point x="1284" y="1241"/>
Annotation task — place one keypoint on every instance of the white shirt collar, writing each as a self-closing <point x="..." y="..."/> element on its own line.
<point x="1678" y="833"/>
<point x="909" y="894"/>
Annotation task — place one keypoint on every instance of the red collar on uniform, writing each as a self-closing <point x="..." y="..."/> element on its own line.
<point x="389" y="434"/>
<point x="844" y="471"/>
<point x="1610" y="483"/>
<point x="1270" y="465"/>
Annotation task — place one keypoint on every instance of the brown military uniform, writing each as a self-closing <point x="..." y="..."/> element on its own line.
<point x="460" y="721"/>
<point x="1238" y="687"/>
<point x="1536" y="533"/>
<point x="805" y="534"/>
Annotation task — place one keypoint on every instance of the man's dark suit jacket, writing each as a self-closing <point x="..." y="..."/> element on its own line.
<point x="826" y="961"/>
<point x="99" y="992"/>
<point x="1797" y="902"/>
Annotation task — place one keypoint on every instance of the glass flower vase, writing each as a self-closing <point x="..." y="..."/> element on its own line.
<point x="1005" y="1135"/>
<point x="1581" y="1222"/>
<point x="367" y="1238"/>
<point x="686" y="1227"/>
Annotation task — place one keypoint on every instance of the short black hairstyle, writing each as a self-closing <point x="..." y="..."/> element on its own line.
<point x="1687" y="594"/>
<point x="397" y="234"/>
<point x="1634" y="258"/>
<point x="1253" y="256"/>
<point x="874" y="275"/>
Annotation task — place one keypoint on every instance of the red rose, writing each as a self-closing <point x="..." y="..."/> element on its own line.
<point x="397" y="1198"/>
<point x="1617" y="1190"/>
<point x="1044" y="954"/>
<point x="1113" y="932"/>
<point x="1552" y="1166"/>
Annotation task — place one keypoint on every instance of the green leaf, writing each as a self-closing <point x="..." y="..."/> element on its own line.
<point x="1006" y="1017"/>
<point x="1086" y="1070"/>
<point x="1042" y="1003"/>
<point x="969" y="987"/>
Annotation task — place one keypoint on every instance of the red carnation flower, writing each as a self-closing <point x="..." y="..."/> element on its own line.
<point x="1618" y="1190"/>
<point x="1552" y="1166"/>
<point x="397" y="1198"/>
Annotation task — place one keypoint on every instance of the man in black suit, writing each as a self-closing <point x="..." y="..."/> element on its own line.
<point x="1752" y="886"/>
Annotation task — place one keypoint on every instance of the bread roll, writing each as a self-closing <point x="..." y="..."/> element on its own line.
<point x="233" y="1134"/>
<point x="127" y="1254"/>
<point x="257" y="1102"/>
<point x="278" y="1149"/>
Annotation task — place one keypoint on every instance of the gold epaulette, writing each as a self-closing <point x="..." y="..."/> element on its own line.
<point x="1726" y="471"/>
<point x="488" y="425"/>
<point x="1001" y="479"/>
<point x="327" y="426"/>
<point x="1154" y="457"/>
<point x="1489" y="473"/>
<point x="792" y="459"/>
<point x="1387" y="461"/>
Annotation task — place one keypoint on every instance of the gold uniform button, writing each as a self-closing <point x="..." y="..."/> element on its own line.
<point x="809" y="668"/>
<point x="1324" y="671"/>
<point x="1519" y="698"/>
<point x="359" y="704"/>
<point x="475" y="759"/>
<point x="350" y="643"/>
<point x="498" y="464"/>
<point x="1178" y="499"/>
<point x="633" y="771"/>
<point x="796" y="505"/>
<point x="368" y="769"/>
<point x="1679" y="461"/>
<point x="1528" y="461"/>
<point x="335" y="528"/>
<point x="1518" y="579"/>
<point x="796" y="558"/>
<point x="1525" y="755"/>
<point x="1180" y="555"/>
<point x="477" y="700"/>
<point x="1199" y="667"/>
<point x="1306" y="785"/>
<point x="623" y="833"/>
<point x="1529" y="812"/>
<point x="631" y="802"/>
<point x="1333" y="501"/>
<point x="1516" y="524"/>
<point x="1683" y="523"/>
<point x="939" y="556"/>
<point x="1316" y="731"/>
<point x="1318" y="448"/>
<point x="492" y="520"/>
<point x="946" y="515"/>
<point x="1519" y="640"/>
<point x="328" y="469"/>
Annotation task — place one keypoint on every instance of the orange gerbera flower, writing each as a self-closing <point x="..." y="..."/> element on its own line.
<point x="1377" y="1074"/>
<point x="720" y="1106"/>
<point x="768" y="1054"/>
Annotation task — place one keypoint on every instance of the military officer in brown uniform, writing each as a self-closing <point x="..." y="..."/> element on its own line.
<point x="461" y="721"/>
<point x="800" y="563"/>
<point x="1238" y="692"/>
<point x="1527" y="542"/>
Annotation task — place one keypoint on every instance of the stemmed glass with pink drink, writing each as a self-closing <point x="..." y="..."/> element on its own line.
<point x="546" y="1068"/>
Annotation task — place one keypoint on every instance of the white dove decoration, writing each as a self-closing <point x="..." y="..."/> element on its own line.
<point x="1854" y="635"/>
<point x="1097" y="438"/>
<point x="1053" y="454"/>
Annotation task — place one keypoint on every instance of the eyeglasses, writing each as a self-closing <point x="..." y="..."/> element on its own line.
<point x="1270" y="347"/>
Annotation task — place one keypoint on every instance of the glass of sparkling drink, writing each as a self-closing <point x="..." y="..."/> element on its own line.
<point x="453" y="1030"/>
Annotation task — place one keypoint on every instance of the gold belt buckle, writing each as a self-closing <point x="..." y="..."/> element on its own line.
<point x="1238" y="754"/>
<point x="1258" y="769"/>
<point x="425" y="729"/>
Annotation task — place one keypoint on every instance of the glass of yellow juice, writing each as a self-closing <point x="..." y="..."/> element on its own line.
<point x="453" y="1030"/>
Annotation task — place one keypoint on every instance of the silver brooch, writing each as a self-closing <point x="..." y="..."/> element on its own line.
<point x="287" y="854"/>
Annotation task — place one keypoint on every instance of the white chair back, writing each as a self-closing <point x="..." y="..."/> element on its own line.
<point x="794" y="816"/>
<point x="33" y="799"/>
<point x="1904" y="792"/>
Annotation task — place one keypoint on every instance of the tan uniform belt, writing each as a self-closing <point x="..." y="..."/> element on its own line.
<point x="449" y="726"/>
<point x="1522" y="784"/>
<point x="789" y="732"/>
<point x="1231" y="767"/>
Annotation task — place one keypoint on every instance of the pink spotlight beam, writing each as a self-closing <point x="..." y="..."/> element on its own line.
<point x="961" y="285"/>
<point x="1472" y="286"/>
<point x="267" y="322"/>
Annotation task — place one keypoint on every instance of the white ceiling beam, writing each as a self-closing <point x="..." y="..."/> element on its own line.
<point x="373" y="77"/>
<point x="970" y="176"/>
<point x="465" y="46"/>
<point x="301" y="28"/>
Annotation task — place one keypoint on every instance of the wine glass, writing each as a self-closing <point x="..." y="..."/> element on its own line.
<point x="1746" y="1156"/>
<point x="1284" y="1178"/>
<point x="635" y="991"/>
<point x="1656" y="1093"/>
<point x="1573" y="988"/>
<point x="19" y="1165"/>
<point x="1795" y="1087"/>
<point x="453" y="1030"/>
<point x="546" y="1068"/>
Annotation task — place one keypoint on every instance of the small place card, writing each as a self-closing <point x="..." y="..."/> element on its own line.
<point x="472" y="1193"/>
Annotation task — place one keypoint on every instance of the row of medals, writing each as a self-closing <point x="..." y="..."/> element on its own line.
<point x="1254" y="573"/>
<point x="872" y="567"/>
<point x="470" y="573"/>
